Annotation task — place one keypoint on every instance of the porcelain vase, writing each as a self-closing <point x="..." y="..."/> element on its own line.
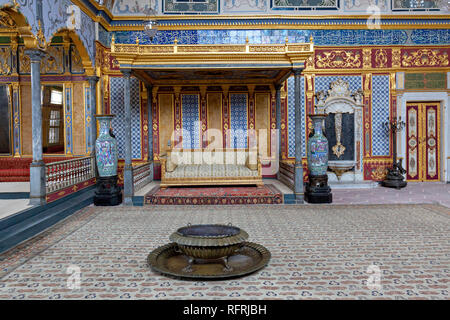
<point x="106" y="148"/>
<point x="317" y="148"/>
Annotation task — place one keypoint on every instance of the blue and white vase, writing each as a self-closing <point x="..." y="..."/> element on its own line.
<point x="317" y="148"/>
<point x="106" y="148"/>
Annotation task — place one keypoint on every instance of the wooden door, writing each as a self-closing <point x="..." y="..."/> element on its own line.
<point x="422" y="141"/>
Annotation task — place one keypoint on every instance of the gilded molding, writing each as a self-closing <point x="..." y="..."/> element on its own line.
<point x="338" y="59"/>
<point x="425" y="58"/>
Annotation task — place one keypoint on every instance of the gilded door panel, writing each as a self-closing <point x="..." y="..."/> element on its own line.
<point x="422" y="141"/>
<point x="412" y="143"/>
<point x="431" y="142"/>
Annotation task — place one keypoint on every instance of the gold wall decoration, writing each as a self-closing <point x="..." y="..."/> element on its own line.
<point x="40" y="38"/>
<point x="425" y="58"/>
<point x="76" y="61"/>
<point x="379" y="173"/>
<point x="381" y="58"/>
<point x="396" y="58"/>
<point x="367" y="58"/>
<point x="6" y="21"/>
<point x="53" y="62"/>
<point x="338" y="59"/>
<point x="5" y="60"/>
<point x="24" y="61"/>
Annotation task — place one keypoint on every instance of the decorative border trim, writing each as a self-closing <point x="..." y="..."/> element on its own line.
<point x="69" y="190"/>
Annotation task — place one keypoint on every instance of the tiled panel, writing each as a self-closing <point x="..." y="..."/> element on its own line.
<point x="338" y="37"/>
<point x="118" y="123"/>
<point x="291" y="116"/>
<point x="190" y="121"/>
<point x="420" y="36"/>
<point x="380" y="114"/>
<point x="238" y="120"/>
<point x="323" y="82"/>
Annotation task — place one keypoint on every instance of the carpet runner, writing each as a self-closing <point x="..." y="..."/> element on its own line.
<point x="267" y="194"/>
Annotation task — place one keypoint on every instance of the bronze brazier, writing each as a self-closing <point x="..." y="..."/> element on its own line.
<point x="209" y="242"/>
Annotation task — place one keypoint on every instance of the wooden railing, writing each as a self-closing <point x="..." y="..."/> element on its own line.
<point x="63" y="174"/>
<point x="142" y="175"/>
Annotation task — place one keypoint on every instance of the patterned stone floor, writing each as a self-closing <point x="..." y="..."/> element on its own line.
<point x="318" y="252"/>
<point x="414" y="192"/>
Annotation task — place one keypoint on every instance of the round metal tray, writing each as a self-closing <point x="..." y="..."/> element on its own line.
<point x="170" y="262"/>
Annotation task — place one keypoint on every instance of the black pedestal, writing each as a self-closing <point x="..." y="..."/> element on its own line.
<point x="317" y="190"/>
<point x="108" y="193"/>
<point x="394" y="179"/>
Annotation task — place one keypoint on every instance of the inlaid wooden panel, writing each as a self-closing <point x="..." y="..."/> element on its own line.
<point x="27" y="141"/>
<point x="165" y="120"/>
<point x="262" y="121"/>
<point x="214" y="109"/>
<point x="78" y="135"/>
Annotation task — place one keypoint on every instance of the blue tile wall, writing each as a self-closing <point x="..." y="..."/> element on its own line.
<point x="380" y="114"/>
<point x="190" y="121"/>
<point x="238" y="120"/>
<point x="291" y="116"/>
<point x="338" y="37"/>
<point x="323" y="82"/>
<point x="117" y="107"/>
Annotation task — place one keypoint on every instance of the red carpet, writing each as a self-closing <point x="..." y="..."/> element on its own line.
<point x="267" y="194"/>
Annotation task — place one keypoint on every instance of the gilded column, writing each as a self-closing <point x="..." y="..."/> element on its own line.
<point x="251" y="136"/>
<point x="150" y="123"/>
<point x="68" y="109"/>
<point x="16" y="119"/>
<point x="203" y="117"/>
<point x="92" y="128"/>
<point x="298" y="167"/>
<point x="155" y="124"/>
<point x="278" y="116"/>
<point x="225" y="115"/>
<point x="178" y="139"/>
<point x="128" y="168"/>
<point x="37" y="167"/>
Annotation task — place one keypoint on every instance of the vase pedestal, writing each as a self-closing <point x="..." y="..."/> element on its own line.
<point x="317" y="190"/>
<point x="108" y="193"/>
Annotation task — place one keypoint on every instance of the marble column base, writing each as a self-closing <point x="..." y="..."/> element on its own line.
<point x="37" y="183"/>
<point x="128" y="183"/>
<point x="299" y="198"/>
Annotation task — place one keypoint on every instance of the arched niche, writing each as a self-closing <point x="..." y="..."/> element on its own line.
<point x="344" y="130"/>
<point x="79" y="45"/>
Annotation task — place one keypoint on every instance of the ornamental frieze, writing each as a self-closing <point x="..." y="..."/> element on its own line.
<point x="338" y="59"/>
<point x="382" y="58"/>
<point x="425" y="58"/>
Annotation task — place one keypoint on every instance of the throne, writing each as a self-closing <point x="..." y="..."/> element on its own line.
<point x="183" y="167"/>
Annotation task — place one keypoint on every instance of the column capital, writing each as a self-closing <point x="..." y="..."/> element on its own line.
<point x="297" y="71"/>
<point x="35" y="55"/>
<point x="126" y="72"/>
<point x="92" y="80"/>
<point x="278" y="86"/>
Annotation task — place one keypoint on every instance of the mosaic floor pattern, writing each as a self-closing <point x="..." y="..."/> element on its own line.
<point x="318" y="252"/>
